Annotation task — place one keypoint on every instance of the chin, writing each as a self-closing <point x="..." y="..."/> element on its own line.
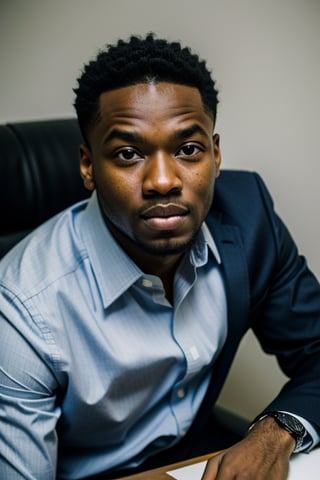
<point x="169" y="246"/>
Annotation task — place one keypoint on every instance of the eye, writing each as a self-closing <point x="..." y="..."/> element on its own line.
<point x="128" y="154"/>
<point x="188" y="150"/>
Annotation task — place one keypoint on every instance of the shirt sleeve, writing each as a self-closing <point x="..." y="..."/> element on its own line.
<point x="28" y="411"/>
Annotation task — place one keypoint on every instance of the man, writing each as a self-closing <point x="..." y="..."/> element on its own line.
<point x="120" y="316"/>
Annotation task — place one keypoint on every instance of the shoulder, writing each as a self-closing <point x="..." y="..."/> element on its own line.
<point x="48" y="253"/>
<point x="240" y="183"/>
<point x="243" y="203"/>
<point x="241" y="195"/>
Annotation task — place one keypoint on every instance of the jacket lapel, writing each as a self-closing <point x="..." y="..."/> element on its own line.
<point x="235" y="273"/>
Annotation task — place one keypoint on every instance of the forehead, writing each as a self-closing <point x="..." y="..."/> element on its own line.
<point x="151" y="106"/>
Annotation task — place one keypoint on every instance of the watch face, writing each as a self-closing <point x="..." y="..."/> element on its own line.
<point x="292" y="425"/>
<point x="290" y="422"/>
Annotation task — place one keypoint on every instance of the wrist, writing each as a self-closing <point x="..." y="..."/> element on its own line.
<point x="273" y="434"/>
<point x="292" y="425"/>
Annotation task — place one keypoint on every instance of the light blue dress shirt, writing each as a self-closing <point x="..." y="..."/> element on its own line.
<point x="87" y="326"/>
<point x="80" y="322"/>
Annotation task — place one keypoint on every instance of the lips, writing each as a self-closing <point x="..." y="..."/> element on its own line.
<point x="165" y="217"/>
<point x="164" y="211"/>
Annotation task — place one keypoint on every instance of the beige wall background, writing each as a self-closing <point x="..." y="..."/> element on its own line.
<point x="264" y="55"/>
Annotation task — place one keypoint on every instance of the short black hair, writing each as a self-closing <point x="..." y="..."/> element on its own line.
<point x="140" y="60"/>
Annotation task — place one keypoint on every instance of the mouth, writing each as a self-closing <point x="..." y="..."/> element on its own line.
<point x="164" y="216"/>
<point x="164" y="211"/>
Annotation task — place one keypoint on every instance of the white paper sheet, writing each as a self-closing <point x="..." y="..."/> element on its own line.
<point x="302" y="466"/>
<point x="192" y="472"/>
<point x="305" y="466"/>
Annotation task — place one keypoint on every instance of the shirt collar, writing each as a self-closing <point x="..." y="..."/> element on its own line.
<point x="106" y="255"/>
<point x="108" y="259"/>
<point x="210" y="242"/>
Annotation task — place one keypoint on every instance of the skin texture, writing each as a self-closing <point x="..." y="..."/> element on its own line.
<point x="153" y="159"/>
<point x="264" y="454"/>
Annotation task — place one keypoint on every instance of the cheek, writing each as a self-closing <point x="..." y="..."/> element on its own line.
<point x="203" y="181"/>
<point x="117" y="192"/>
<point x="203" y="187"/>
<point x="109" y="182"/>
<point x="115" y="197"/>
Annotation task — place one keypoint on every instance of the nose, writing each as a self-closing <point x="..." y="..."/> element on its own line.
<point x="161" y="176"/>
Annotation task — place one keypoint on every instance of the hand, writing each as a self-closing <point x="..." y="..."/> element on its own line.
<point x="263" y="454"/>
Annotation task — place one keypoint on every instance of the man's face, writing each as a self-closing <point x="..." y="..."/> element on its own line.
<point x="153" y="160"/>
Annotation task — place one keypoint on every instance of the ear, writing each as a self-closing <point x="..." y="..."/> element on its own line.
<point x="86" y="167"/>
<point x="217" y="153"/>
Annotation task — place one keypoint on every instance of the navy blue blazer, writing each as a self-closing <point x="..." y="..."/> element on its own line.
<point x="269" y="289"/>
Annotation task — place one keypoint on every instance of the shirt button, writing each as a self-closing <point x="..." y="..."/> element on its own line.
<point x="146" y="283"/>
<point x="194" y="352"/>
<point x="181" y="393"/>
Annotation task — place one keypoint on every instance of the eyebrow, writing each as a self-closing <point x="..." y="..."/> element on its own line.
<point x="117" y="134"/>
<point x="133" y="137"/>
<point x="185" y="133"/>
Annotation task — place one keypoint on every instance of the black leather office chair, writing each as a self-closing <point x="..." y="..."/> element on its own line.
<point x="39" y="168"/>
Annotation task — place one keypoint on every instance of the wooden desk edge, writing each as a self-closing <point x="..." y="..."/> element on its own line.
<point x="160" y="473"/>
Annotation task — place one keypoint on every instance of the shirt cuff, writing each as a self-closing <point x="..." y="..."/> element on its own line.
<point x="311" y="438"/>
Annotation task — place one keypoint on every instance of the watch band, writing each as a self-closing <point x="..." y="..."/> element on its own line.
<point x="292" y="425"/>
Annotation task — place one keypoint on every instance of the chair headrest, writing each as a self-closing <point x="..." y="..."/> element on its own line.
<point x="39" y="165"/>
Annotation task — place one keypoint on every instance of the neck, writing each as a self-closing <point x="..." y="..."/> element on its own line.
<point x="163" y="266"/>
